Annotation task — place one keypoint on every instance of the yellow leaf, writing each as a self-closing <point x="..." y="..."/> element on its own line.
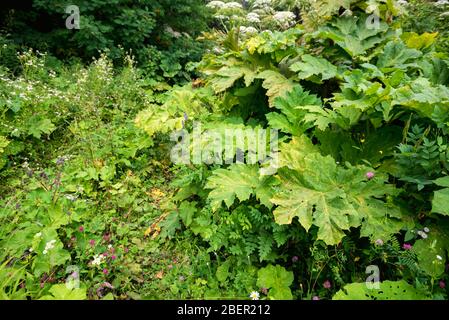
<point x="416" y="41"/>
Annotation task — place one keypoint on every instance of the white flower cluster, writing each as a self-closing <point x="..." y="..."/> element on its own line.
<point x="253" y="17"/>
<point x="262" y="4"/>
<point x="232" y="5"/>
<point x="423" y="233"/>
<point x="248" y="30"/>
<point x="402" y="3"/>
<point x="285" y="18"/>
<point x="216" y="4"/>
<point x="442" y="3"/>
<point x="174" y="33"/>
<point x="48" y="246"/>
<point x="98" y="259"/>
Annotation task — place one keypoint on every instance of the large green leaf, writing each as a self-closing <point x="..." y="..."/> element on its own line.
<point x="277" y="280"/>
<point x="62" y="292"/>
<point x="291" y="119"/>
<point x="352" y="34"/>
<point x="440" y="202"/>
<point x="239" y="181"/>
<point x="388" y="290"/>
<point x="321" y="193"/>
<point x="314" y="66"/>
<point x="396" y="55"/>
<point x="275" y="83"/>
<point x="431" y="252"/>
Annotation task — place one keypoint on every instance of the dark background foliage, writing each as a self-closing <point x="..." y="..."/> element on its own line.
<point x="114" y="26"/>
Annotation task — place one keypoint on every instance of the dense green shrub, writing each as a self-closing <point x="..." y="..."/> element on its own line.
<point x="356" y="178"/>
<point x="160" y="34"/>
<point x="362" y="154"/>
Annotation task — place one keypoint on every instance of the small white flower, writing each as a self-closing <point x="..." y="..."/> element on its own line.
<point x="254" y="295"/>
<point x="439" y="257"/>
<point x="426" y="229"/>
<point x="422" y="234"/>
<point x="98" y="259"/>
<point x="71" y="197"/>
<point x="38" y="235"/>
<point x="402" y="3"/>
<point x="48" y="246"/>
<point x="30" y="250"/>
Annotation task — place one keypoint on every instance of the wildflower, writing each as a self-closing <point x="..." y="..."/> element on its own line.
<point x="426" y="230"/>
<point x="126" y="250"/>
<point x="254" y="295"/>
<point x="439" y="257"/>
<point x="92" y="242"/>
<point x="98" y="259"/>
<point x="170" y="266"/>
<point x="442" y="284"/>
<point x="38" y="235"/>
<point x="174" y="33"/>
<point x="402" y="2"/>
<point x="181" y="278"/>
<point x="316" y="298"/>
<point x="70" y="197"/>
<point x="295" y="259"/>
<point x="48" y="246"/>
<point x="105" y="271"/>
<point x="406" y="246"/>
<point x="107" y="237"/>
<point x="113" y="257"/>
<point x="81" y="228"/>
<point x="379" y="242"/>
<point x="327" y="284"/>
<point x="60" y="161"/>
<point x="422" y="234"/>
<point x="370" y="175"/>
